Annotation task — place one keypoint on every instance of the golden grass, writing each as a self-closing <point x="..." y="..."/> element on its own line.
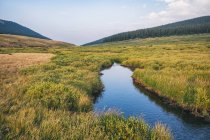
<point x="21" y="60"/>
<point x="11" y="63"/>
<point x="54" y="100"/>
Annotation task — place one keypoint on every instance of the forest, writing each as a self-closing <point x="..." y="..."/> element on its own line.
<point x="193" y="26"/>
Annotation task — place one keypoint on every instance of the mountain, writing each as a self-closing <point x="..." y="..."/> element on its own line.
<point x="192" y="26"/>
<point x="9" y="27"/>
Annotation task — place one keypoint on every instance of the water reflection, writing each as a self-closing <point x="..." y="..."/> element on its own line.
<point x="120" y="92"/>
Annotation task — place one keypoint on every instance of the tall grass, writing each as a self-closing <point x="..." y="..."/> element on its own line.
<point x="54" y="100"/>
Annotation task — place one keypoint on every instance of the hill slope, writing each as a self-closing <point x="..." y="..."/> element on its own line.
<point x="24" y="41"/>
<point x="191" y="26"/>
<point x="9" y="27"/>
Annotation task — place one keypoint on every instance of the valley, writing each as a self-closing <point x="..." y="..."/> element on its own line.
<point x="54" y="100"/>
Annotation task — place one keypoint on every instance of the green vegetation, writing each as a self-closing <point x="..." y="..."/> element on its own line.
<point x="192" y="26"/>
<point x="177" y="68"/>
<point x="54" y="100"/>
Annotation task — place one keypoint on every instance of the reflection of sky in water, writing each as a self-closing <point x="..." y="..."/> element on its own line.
<point x="120" y="93"/>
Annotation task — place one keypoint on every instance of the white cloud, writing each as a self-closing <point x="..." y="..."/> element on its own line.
<point x="180" y="9"/>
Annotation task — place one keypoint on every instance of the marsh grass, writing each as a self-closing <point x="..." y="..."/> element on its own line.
<point x="54" y="100"/>
<point x="160" y="131"/>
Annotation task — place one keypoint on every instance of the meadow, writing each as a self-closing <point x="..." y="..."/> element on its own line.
<point x="54" y="100"/>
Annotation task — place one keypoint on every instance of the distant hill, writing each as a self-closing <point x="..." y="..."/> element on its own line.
<point x="192" y="26"/>
<point x="24" y="41"/>
<point x="9" y="27"/>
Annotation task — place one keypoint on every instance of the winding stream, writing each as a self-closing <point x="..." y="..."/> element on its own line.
<point x="120" y="93"/>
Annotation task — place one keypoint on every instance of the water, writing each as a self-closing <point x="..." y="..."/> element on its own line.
<point x="121" y="93"/>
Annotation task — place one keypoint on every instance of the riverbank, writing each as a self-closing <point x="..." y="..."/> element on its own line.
<point x="121" y="93"/>
<point x="54" y="100"/>
<point x="167" y="100"/>
<point x="172" y="103"/>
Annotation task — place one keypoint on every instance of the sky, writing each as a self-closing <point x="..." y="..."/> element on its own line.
<point x="83" y="21"/>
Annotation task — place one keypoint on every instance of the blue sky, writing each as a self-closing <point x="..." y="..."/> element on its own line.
<point x="82" y="21"/>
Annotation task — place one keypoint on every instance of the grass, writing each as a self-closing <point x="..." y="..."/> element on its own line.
<point x="23" y="41"/>
<point x="175" y="67"/>
<point x="54" y="100"/>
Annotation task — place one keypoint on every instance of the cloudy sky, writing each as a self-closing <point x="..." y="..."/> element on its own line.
<point x="82" y="21"/>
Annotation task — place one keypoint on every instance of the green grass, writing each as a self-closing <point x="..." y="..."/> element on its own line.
<point x="175" y="67"/>
<point x="54" y="100"/>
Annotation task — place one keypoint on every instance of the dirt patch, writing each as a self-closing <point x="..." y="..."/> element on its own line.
<point x="10" y="63"/>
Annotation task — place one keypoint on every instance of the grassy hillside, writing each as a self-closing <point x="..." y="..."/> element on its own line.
<point x="12" y="28"/>
<point x="27" y="44"/>
<point x="186" y="27"/>
<point x="54" y="100"/>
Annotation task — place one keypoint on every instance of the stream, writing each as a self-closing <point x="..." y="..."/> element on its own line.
<point x="121" y="93"/>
